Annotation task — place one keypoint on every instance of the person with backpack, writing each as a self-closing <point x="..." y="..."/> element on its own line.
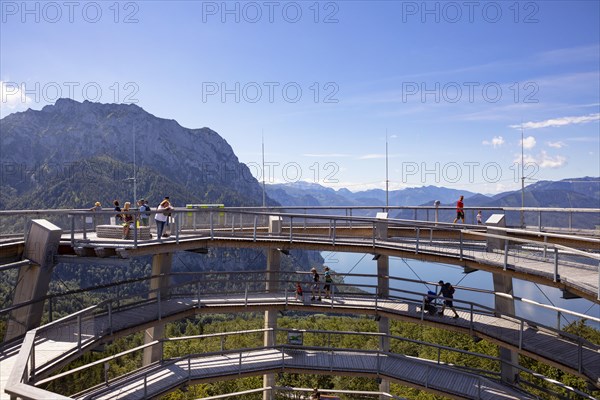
<point x="316" y="287"/>
<point x="447" y="292"/>
<point x="144" y="212"/>
<point x="328" y="282"/>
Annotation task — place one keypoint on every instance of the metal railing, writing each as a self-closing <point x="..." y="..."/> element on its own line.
<point x="87" y="326"/>
<point x="186" y="361"/>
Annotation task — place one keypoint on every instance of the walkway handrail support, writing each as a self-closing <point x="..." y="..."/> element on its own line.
<point x="327" y="349"/>
<point x="418" y="295"/>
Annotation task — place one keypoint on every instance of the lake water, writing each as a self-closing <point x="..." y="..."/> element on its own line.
<point x="355" y="263"/>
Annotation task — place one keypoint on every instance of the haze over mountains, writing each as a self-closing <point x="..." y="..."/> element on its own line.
<point x="569" y="193"/>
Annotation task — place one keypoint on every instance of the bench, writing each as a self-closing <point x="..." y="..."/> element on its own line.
<point x="116" y="232"/>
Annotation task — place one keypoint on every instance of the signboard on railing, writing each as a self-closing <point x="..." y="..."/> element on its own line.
<point x="295" y="337"/>
<point x="192" y="218"/>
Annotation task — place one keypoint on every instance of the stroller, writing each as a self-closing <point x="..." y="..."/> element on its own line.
<point x="430" y="302"/>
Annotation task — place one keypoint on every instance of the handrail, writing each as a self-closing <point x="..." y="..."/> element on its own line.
<point x="290" y="282"/>
<point x="304" y="347"/>
<point x="272" y="208"/>
<point x="82" y="312"/>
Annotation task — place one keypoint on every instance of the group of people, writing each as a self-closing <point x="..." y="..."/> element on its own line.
<point x="316" y="285"/>
<point x="460" y="212"/>
<point x="128" y="220"/>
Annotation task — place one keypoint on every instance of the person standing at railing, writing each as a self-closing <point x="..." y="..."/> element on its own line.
<point x="128" y="220"/>
<point x="460" y="212"/>
<point x="447" y="292"/>
<point x="144" y="212"/>
<point x="316" y="287"/>
<point x="97" y="207"/>
<point x="299" y="293"/>
<point x="479" y="218"/>
<point x="328" y="282"/>
<point x="161" y="217"/>
<point x="118" y="216"/>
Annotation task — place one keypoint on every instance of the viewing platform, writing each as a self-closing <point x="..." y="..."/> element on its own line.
<point x="568" y="259"/>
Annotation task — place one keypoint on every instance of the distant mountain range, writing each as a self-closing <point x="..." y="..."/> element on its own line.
<point x="313" y="194"/>
<point x="568" y="193"/>
<point x="72" y="154"/>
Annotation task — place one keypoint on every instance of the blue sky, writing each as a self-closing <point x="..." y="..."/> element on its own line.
<point x="449" y="83"/>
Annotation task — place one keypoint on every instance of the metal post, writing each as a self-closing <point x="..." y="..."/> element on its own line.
<point x="158" y="304"/>
<point x="415" y="214"/>
<point x="176" y="222"/>
<point x="461" y="245"/>
<point x="350" y="218"/>
<point x="72" y="230"/>
<point x="333" y="239"/>
<point x="539" y="220"/>
<point x="136" y="221"/>
<point x="212" y="232"/>
<point x="254" y="231"/>
<point x="580" y="356"/>
<point x="423" y="309"/>
<point x="50" y="309"/>
<point x="521" y="334"/>
<point x="373" y="234"/>
<point x="246" y="296"/>
<point x="417" y="244"/>
<point x="556" y="277"/>
<point x="558" y="315"/>
<point x="439" y="355"/>
<point x="110" y="321"/>
<point x="189" y="368"/>
<point x="505" y="254"/>
<point x="32" y="364"/>
<point x="198" y="292"/>
<point x="106" y="368"/>
<point x="84" y="227"/>
<point x="145" y="386"/>
<point x="471" y="320"/>
<point x="79" y="332"/>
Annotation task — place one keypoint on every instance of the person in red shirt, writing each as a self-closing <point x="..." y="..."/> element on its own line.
<point x="460" y="213"/>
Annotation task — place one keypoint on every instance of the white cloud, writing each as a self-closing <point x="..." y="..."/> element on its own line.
<point x="557" y="145"/>
<point x="371" y="156"/>
<point x="12" y="98"/>
<point x="556" y="122"/>
<point x="542" y="160"/>
<point x="496" y="141"/>
<point x="325" y="155"/>
<point x="528" y="143"/>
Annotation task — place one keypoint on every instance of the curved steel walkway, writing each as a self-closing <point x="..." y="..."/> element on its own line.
<point x="568" y="262"/>
<point x="158" y="379"/>
<point x="62" y="341"/>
